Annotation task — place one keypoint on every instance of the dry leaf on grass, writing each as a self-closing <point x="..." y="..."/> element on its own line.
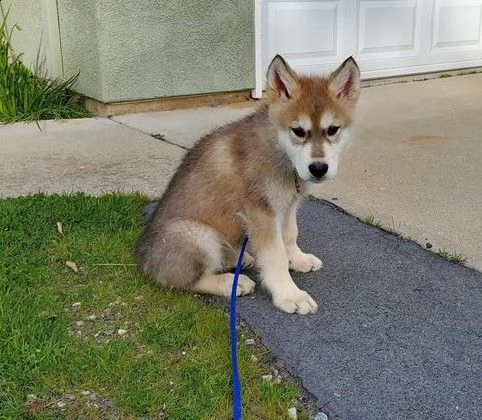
<point x="72" y="266"/>
<point x="60" y="228"/>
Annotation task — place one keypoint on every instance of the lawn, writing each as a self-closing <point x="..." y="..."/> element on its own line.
<point x="84" y="335"/>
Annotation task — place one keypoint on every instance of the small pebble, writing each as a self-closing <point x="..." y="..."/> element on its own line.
<point x="250" y="341"/>
<point x="183" y="353"/>
<point x="122" y="332"/>
<point x="321" y="416"/>
<point x="267" y="377"/>
<point x="292" y="413"/>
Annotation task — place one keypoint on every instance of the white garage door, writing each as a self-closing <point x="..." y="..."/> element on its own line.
<point x="387" y="37"/>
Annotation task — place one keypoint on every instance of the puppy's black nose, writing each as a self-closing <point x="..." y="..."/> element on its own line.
<point x="318" y="169"/>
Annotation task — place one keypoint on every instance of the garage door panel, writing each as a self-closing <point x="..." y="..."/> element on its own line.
<point x="386" y="37"/>
<point x="457" y="25"/>
<point x="388" y="27"/>
<point x="304" y="29"/>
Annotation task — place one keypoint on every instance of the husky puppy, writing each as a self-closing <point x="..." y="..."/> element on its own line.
<point x="247" y="178"/>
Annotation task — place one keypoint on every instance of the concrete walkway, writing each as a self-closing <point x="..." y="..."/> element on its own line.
<point x="415" y="166"/>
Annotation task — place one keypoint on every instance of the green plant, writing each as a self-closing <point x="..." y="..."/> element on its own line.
<point x="451" y="256"/>
<point x="25" y="96"/>
<point x="394" y="230"/>
<point x="370" y="220"/>
<point x="311" y="197"/>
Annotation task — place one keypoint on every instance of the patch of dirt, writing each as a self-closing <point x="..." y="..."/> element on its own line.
<point x="89" y="403"/>
<point x="109" y="324"/>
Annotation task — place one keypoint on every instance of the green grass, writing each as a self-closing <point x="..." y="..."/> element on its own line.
<point x="24" y="96"/>
<point x="395" y="230"/>
<point x="392" y="228"/>
<point x="370" y="220"/>
<point x="313" y="198"/>
<point x="451" y="256"/>
<point x="61" y="352"/>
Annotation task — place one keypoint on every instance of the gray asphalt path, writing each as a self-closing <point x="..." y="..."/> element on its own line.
<point x="398" y="334"/>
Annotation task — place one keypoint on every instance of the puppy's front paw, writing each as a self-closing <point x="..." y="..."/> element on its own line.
<point x="305" y="262"/>
<point x="298" y="301"/>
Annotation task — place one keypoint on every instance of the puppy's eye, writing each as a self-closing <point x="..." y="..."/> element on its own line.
<point x="332" y="130"/>
<point x="298" y="131"/>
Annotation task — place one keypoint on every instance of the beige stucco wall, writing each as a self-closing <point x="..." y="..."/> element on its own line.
<point x="81" y="45"/>
<point x="127" y="50"/>
<point x="37" y="40"/>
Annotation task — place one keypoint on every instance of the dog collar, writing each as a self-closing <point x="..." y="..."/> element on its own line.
<point x="297" y="182"/>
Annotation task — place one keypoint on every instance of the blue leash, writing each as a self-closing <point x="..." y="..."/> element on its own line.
<point x="232" y="330"/>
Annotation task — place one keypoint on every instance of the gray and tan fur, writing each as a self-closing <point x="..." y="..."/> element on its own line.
<point x="240" y="180"/>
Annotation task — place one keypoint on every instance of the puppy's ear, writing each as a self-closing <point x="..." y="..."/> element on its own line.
<point x="345" y="81"/>
<point x="282" y="80"/>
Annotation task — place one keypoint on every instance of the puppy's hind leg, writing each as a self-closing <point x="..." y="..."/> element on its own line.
<point x="221" y="284"/>
<point x="231" y="259"/>
<point x="193" y="256"/>
<point x="178" y="253"/>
